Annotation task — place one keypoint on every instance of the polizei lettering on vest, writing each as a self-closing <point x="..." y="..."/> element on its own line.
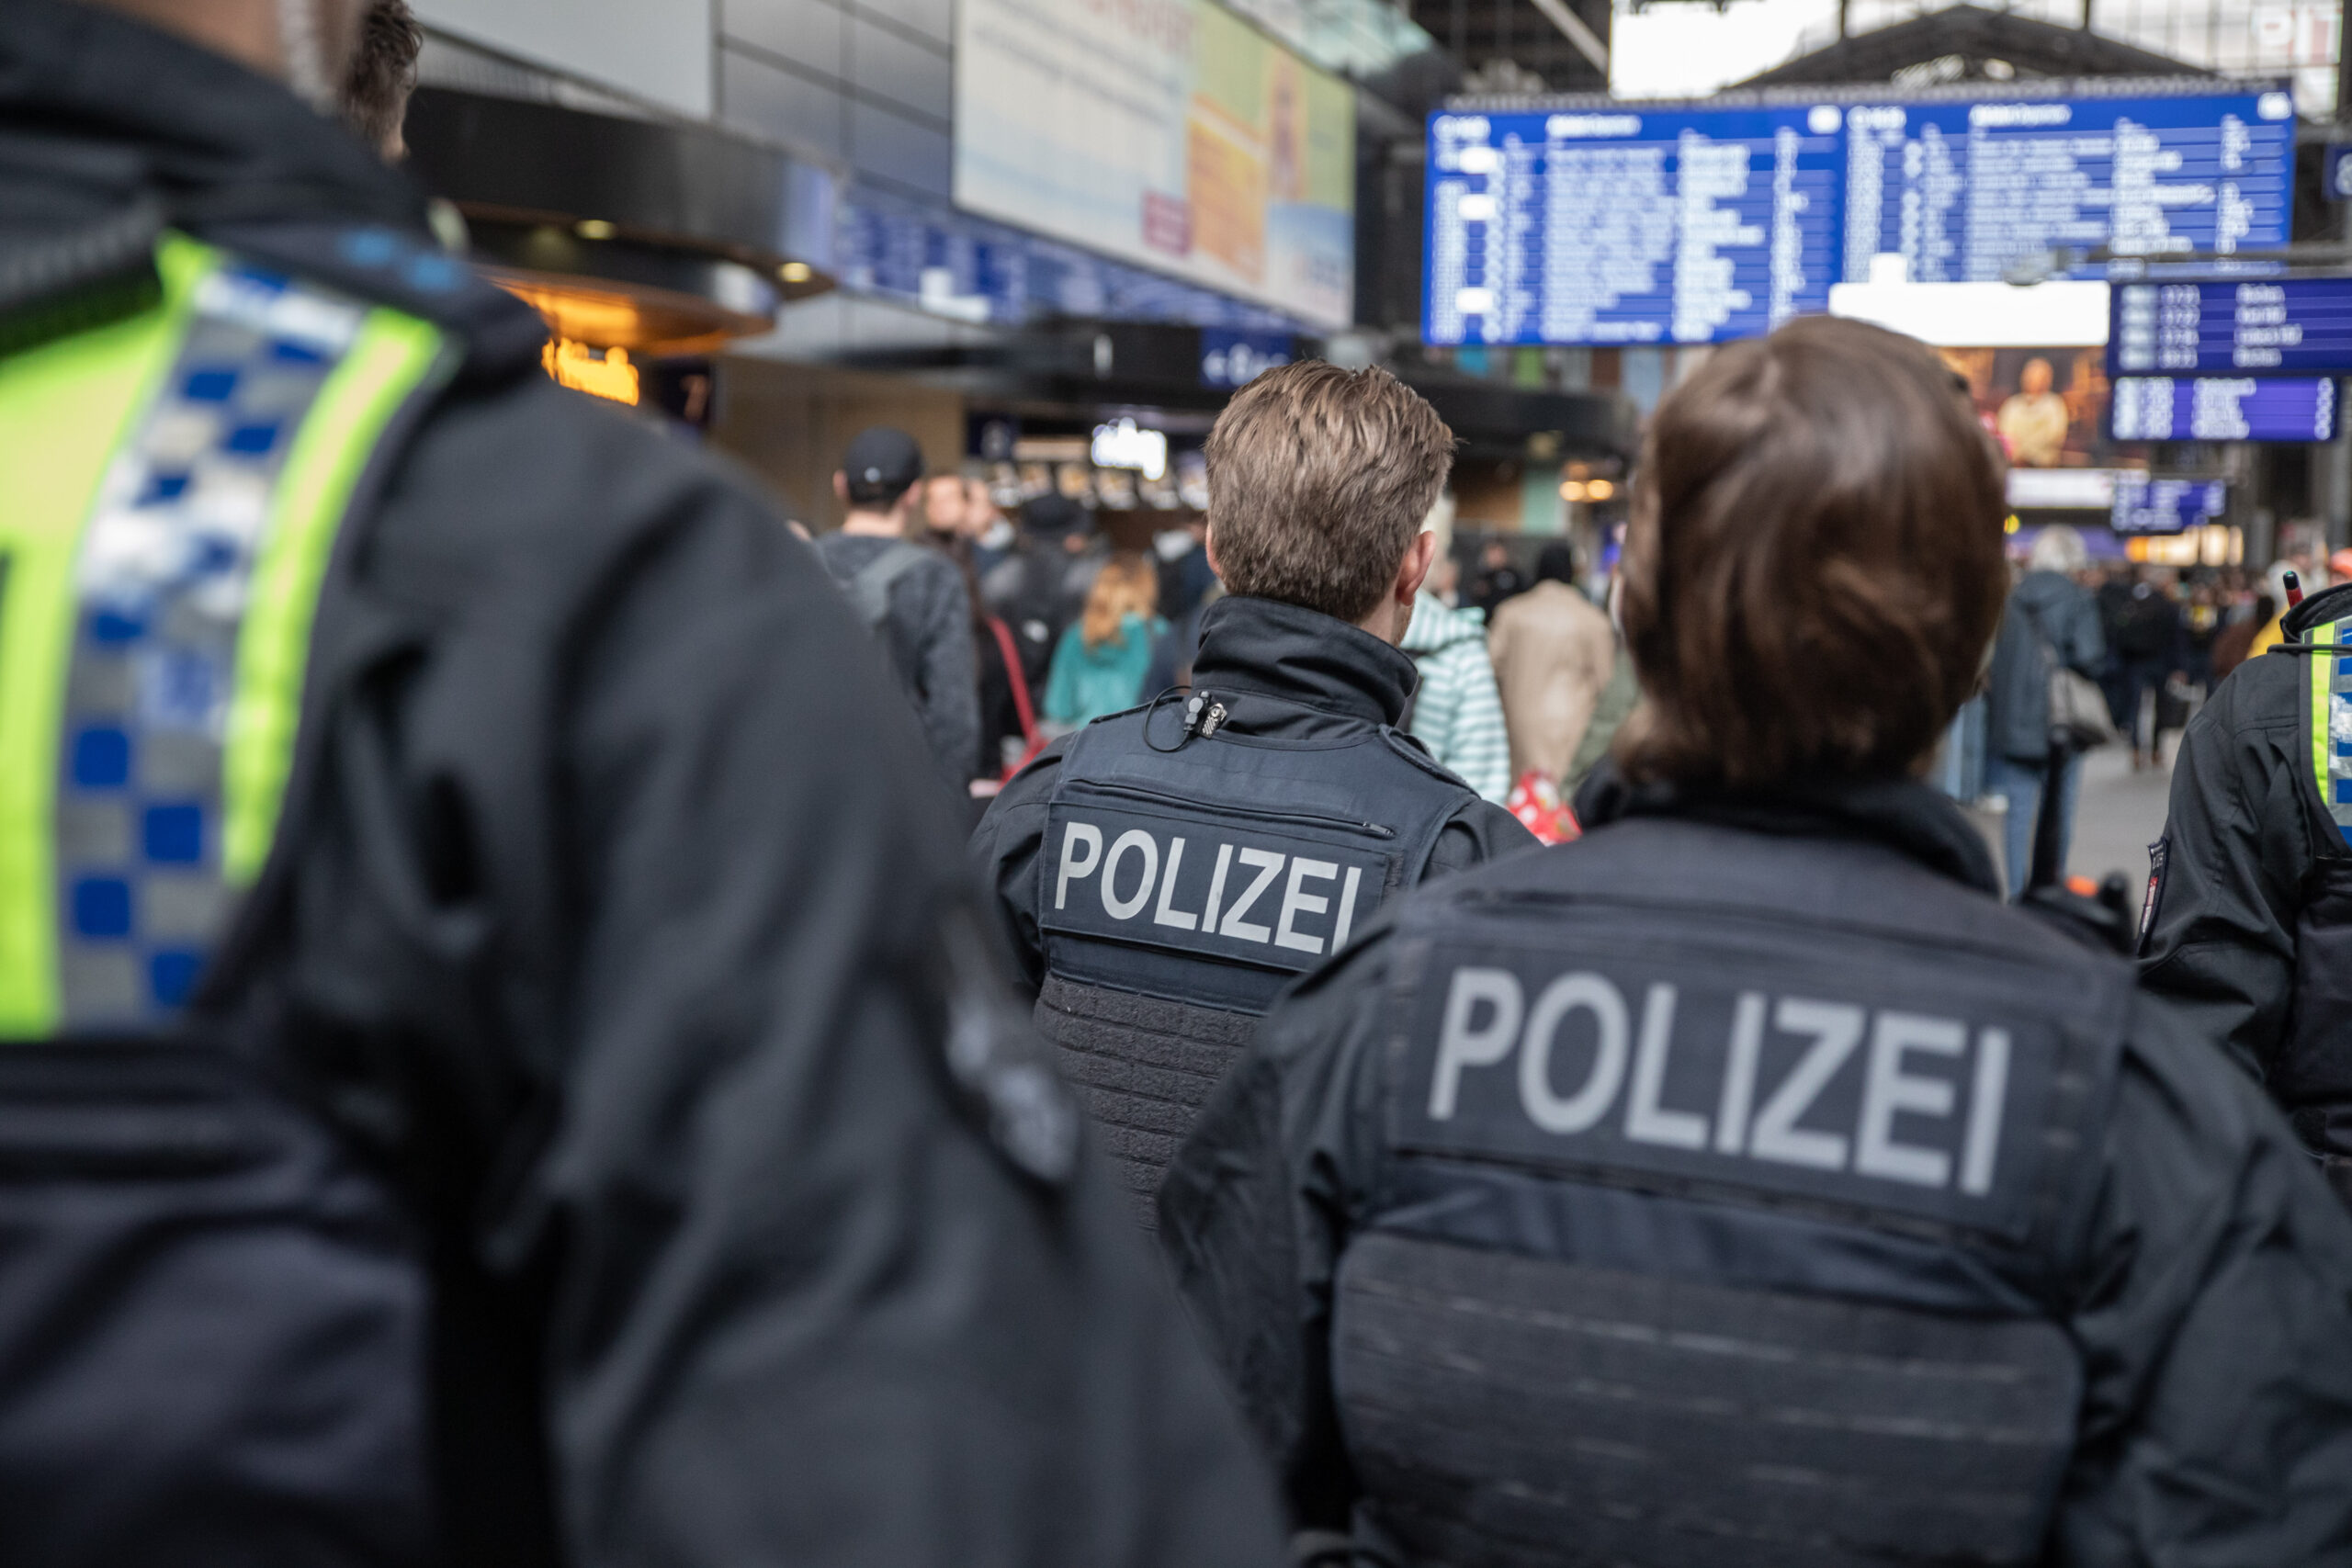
<point x="1844" y="1099"/>
<point x="1271" y="897"/>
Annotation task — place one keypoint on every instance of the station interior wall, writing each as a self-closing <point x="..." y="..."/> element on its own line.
<point x="863" y="85"/>
<point x="868" y="85"/>
<point x="790" y="423"/>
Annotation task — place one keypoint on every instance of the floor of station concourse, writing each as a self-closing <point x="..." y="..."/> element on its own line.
<point x="2119" y="815"/>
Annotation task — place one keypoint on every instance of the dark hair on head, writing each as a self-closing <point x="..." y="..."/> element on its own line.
<point x="383" y="70"/>
<point x="1319" y="478"/>
<point x="1557" y="563"/>
<point x="1813" y="569"/>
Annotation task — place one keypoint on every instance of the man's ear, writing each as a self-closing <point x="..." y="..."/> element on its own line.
<point x="1414" y="570"/>
<point x="912" y="499"/>
<point x="1208" y="543"/>
<point x="841" y="486"/>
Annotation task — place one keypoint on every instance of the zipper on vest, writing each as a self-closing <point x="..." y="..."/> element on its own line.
<point x="1309" y="818"/>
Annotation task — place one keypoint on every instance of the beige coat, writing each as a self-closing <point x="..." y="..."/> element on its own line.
<point x="1553" y="651"/>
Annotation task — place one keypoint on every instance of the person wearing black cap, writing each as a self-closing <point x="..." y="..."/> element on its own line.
<point x="1166" y="870"/>
<point x="912" y="596"/>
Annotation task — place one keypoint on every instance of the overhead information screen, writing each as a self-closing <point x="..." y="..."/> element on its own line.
<point x="2143" y="505"/>
<point x="2223" y="408"/>
<point x="1628" y="224"/>
<point x="2291" y="326"/>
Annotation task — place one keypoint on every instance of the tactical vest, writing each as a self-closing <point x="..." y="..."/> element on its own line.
<point x="1184" y="882"/>
<point x="2313" y="1077"/>
<point x="1726" y="1184"/>
<point x="212" y="1326"/>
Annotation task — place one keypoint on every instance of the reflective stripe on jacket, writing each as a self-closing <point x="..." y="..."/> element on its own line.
<point x="178" y="480"/>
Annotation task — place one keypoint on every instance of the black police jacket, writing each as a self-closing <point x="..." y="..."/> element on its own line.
<point x="1288" y="676"/>
<point x="616" y="925"/>
<point x="1164" y="885"/>
<point x="1825" y="1211"/>
<point x="2247" y="925"/>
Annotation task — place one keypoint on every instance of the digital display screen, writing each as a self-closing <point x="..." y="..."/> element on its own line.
<point x="2223" y="408"/>
<point x="1628" y="224"/>
<point x="2283" y="327"/>
<point x="1173" y="134"/>
<point x="2143" y="505"/>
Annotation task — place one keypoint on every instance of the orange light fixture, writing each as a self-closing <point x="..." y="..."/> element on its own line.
<point x="605" y="374"/>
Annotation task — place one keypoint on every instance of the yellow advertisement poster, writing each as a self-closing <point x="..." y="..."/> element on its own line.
<point x="1171" y="133"/>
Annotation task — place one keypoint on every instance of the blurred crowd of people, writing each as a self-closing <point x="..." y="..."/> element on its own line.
<point x="2153" y="640"/>
<point x="1045" y="625"/>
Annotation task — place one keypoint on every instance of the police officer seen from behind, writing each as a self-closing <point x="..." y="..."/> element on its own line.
<point x="499" y="1063"/>
<point x="1165" y="870"/>
<point x="1746" y="1184"/>
<point x="2247" y="922"/>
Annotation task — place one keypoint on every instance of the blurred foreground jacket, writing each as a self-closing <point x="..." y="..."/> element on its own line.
<point x="1744" y="1185"/>
<point x="2247" y="921"/>
<point x="500" y="1066"/>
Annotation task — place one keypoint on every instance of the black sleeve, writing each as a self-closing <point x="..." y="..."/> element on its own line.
<point x="2219" y="930"/>
<point x="1477" y="833"/>
<point x="2215" y="1327"/>
<point x="822" y="1296"/>
<point x="949" y="680"/>
<point x="1259" y="1203"/>
<point x="1006" y="845"/>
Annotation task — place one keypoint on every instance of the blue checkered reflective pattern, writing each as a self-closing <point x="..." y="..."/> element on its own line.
<point x="164" y="571"/>
<point x="2338" y="759"/>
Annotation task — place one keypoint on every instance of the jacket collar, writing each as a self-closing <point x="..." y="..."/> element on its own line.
<point x="1269" y="649"/>
<point x="2327" y="604"/>
<point x="1902" y="814"/>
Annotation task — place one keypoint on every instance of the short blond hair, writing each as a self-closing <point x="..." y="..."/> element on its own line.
<point x="1318" y="481"/>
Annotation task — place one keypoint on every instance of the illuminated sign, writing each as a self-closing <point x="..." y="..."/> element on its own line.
<point x="1658" y="223"/>
<point x="2283" y="326"/>
<point x="1235" y="358"/>
<point x="2223" y="408"/>
<point x="600" y="373"/>
<point x="2143" y="505"/>
<point x="1124" y="446"/>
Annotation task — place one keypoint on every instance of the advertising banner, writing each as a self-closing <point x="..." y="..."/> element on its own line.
<point x="1167" y="132"/>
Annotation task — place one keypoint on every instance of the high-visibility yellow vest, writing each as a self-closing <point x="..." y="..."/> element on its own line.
<point x="171" y="489"/>
<point x="2327" y="719"/>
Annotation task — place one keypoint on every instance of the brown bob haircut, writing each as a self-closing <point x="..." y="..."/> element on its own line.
<point x="1813" y="569"/>
<point x="1318" y="479"/>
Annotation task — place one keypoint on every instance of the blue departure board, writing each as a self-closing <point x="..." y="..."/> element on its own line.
<point x="2289" y="326"/>
<point x="2223" y="408"/>
<point x="1637" y="223"/>
<point x="2143" y="505"/>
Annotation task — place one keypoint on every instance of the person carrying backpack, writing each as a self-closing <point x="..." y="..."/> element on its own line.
<point x="910" y="597"/>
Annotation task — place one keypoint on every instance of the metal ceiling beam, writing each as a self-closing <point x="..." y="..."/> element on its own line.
<point x="1587" y="42"/>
